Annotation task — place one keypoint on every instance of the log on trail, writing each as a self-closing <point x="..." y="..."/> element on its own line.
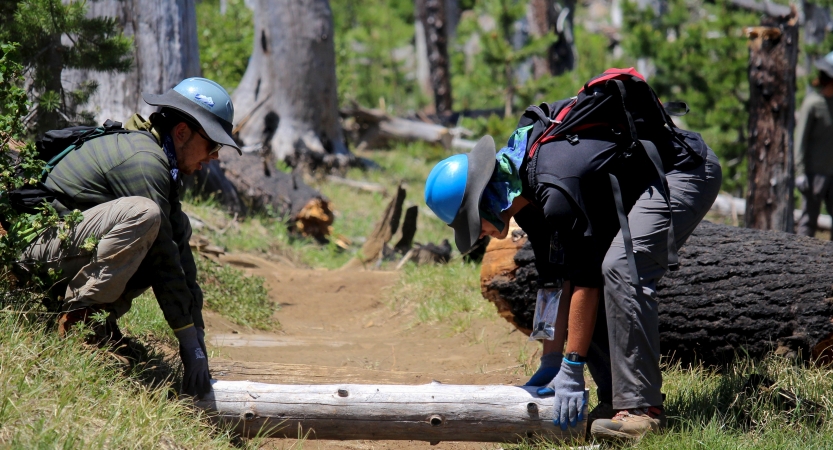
<point x="250" y="183"/>
<point x="738" y="290"/>
<point x="432" y="412"/>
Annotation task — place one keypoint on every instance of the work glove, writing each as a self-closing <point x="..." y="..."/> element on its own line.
<point x="550" y="363"/>
<point x="568" y="389"/>
<point x="196" y="381"/>
<point x="802" y="184"/>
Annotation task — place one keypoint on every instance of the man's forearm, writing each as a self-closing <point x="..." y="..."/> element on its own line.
<point x="583" y="307"/>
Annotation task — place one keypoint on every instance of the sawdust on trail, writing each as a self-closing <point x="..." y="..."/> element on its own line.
<point x="349" y="319"/>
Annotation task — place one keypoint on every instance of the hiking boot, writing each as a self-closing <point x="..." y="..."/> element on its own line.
<point x="103" y="333"/>
<point x="601" y="411"/>
<point x="629" y="424"/>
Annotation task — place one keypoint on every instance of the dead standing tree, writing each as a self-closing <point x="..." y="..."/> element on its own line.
<point x="165" y="51"/>
<point x="287" y="100"/>
<point x="773" y="55"/>
<point x="553" y="16"/>
<point x="431" y="14"/>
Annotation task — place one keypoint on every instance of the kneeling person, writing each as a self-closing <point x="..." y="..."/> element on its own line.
<point x="127" y="186"/>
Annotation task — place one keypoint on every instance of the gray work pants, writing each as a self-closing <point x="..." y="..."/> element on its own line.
<point x="125" y="229"/>
<point x="624" y="355"/>
<point x="821" y="190"/>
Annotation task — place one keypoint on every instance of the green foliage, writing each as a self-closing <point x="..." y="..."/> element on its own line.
<point x="54" y="35"/>
<point x="20" y="167"/>
<point x="372" y="58"/>
<point x="231" y="293"/>
<point x="701" y="56"/>
<point x="225" y="40"/>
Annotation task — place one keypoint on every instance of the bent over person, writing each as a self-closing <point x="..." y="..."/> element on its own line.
<point x="127" y="186"/>
<point x="605" y="203"/>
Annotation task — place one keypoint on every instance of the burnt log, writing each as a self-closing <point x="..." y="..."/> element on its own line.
<point x="251" y="183"/>
<point x="739" y="291"/>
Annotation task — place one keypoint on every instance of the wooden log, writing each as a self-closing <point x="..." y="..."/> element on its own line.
<point x="738" y="291"/>
<point x="773" y="55"/>
<point x="734" y="207"/>
<point x="371" y="128"/>
<point x="432" y="412"/>
<point x="250" y="183"/>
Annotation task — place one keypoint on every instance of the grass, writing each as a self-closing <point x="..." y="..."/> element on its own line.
<point x="60" y="393"/>
<point x="243" y="299"/>
<point x="711" y="409"/>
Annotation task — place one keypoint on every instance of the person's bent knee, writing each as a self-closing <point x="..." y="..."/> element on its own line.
<point x="615" y="266"/>
<point x="146" y="214"/>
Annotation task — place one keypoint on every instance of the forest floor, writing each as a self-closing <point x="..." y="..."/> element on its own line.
<point x="346" y="318"/>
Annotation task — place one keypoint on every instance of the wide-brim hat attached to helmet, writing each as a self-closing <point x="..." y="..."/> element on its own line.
<point x="454" y="187"/>
<point x="204" y="101"/>
<point x="825" y="64"/>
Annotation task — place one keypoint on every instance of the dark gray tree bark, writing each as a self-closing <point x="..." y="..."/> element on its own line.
<point x="432" y="15"/>
<point x="165" y="52"/>
<point x="738" y="290"/>
<point x="287" y="100"/>
<point x="773" y="55"/>
<point x="554" y="16"/>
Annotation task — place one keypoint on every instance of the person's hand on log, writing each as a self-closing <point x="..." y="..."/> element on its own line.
<point x="569" y="395"/>
<point x="196" y="380"/>
<point x="550" y="363"/>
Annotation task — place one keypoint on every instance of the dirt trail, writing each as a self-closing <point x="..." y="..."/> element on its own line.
<point x="346" y="319"/>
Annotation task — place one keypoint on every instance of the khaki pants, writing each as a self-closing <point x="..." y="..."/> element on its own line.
<point x="125" y="229"/>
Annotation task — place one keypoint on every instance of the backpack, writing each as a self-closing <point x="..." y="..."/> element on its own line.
<point x="618" y="99"/>
<point x="53" y="147"/>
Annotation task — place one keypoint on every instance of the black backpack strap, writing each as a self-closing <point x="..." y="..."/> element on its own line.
<point x="626" y="229"/>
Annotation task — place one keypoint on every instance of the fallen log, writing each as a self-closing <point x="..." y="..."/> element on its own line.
<point x="734" y="207"/>
<point x="738" y="290"/>
<point x="371" y="128"/>
<point x="432" y="412"/>
<point x="251" y="183"/>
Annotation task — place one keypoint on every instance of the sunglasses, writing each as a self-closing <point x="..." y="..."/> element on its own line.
<point x="214" y="147"/>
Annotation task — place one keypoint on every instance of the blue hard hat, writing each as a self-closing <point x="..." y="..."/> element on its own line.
<point x="454" y="187"/>
<point x="204" y="101"/>
<point x="445" y="186"/>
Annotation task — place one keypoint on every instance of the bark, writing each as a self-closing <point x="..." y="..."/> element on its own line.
<point x="553" y="16"/>
<point x="250" y="183"/>
<point x="738" y="291"/>
<point x="432" y="15"/>
<point x="375" y="246"/>
<point x="434" y="412"/>
<point x="287" y="100"/>
<point x="773" y="55"/>
<point x="165" y="52"/>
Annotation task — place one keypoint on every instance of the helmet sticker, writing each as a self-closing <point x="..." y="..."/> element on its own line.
<point x="207" y="101"/>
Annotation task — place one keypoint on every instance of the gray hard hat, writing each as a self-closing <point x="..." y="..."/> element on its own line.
<point x="206" y="102"/>
<point x="825" y="64"/>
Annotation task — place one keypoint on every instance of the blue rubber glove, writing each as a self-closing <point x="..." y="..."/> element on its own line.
<point x="570" y="398"/>
<point x="550" y="363"/>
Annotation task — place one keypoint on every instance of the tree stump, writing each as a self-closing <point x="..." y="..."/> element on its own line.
<point x="738" y="290"/>
<point x="773" y="55"/>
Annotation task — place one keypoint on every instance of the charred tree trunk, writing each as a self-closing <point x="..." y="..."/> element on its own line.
<point x="432" y="15"/>
<point x="165" y="52"/>
<point x="287" y="100"/>
<point x="737" y="290"/>
<point x="773" y="55"/>
<point x="553" y="16"/>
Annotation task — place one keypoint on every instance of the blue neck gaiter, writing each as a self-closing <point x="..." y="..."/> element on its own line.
<point x="505" y="184"/>
<point x="168" y="148"/>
